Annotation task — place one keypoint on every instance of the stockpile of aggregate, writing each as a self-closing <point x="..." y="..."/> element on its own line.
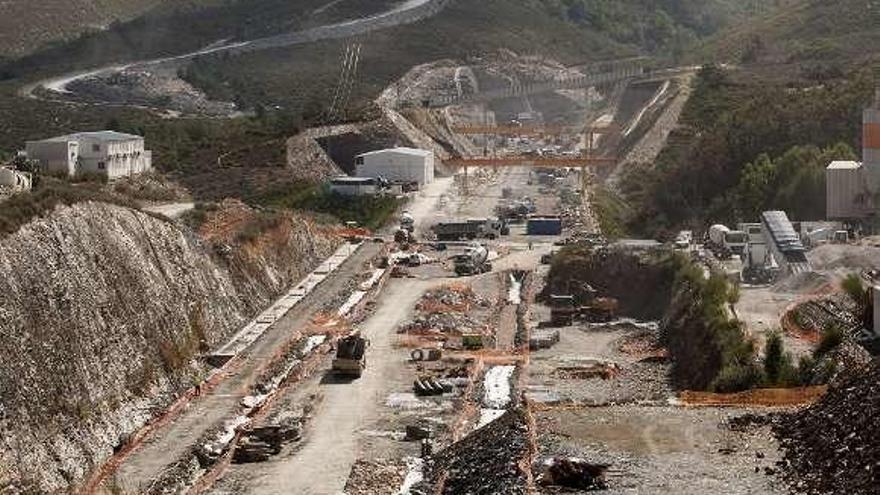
<point x="488" y="461"/>
<point x="833" y="447"/>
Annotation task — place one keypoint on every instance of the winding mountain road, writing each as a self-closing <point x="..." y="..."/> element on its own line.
<point x="407" y="12"/>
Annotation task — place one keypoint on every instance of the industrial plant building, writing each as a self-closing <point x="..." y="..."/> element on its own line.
<point x="852" y="187"/>
<point x="399" y="165"/>
<point x="108" y="153"/>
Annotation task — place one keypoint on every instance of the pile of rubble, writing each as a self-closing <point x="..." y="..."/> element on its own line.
<point x="445" y="323"/>
<point x="846" y="361"/>
<point x="832" y="447"/>
<point x="448" y="311"/>
<point x="818" y="314"/>
<point x="489" y="460"/>
<point x="371" y="477"/>
<point x="457" y="298"/>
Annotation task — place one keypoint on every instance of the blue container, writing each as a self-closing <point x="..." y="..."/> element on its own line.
<point x="544" y="226"/>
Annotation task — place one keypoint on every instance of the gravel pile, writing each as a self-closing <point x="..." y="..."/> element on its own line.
<point x="485" y="462"/>
<point x="847" y="361"/>
<point x="372" y="477"/>
<point x="833" y="447"/>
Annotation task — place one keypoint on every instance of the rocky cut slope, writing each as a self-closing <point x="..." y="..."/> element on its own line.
<point x="103" y="314"/>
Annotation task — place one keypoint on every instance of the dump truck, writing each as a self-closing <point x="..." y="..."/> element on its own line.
<point x="351" y="356"/>
<point x="472" y="262"/>
<point x="478" y="228"/>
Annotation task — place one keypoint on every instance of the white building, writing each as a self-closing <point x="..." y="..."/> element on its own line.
<point x="109" y="153"/>
<point x="354" y="186"/>
<point x="397" y="165"/>
<point x="851" y="187"/>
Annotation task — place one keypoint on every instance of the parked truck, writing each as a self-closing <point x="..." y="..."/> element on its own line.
<point x="474" y="261"/>
<point x="723" y="242"/>
<point x="351" y="356"/>
<point x="479" y="228"/>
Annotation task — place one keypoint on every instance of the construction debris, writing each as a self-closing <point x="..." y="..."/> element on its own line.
<point x="832" y="447"/>
<point x="258" y="444"/>
<point x="846" y="361"/>
<point x="487" y="461"/>
<point x="418" y="432"/>
<point x="448" y="311"/>
<point x="426" y="386"/>
<point x="571" y="472"/>
<point x="372" y="477"/>
<point x="426" y="354"/>
<point x="603" y="370"/>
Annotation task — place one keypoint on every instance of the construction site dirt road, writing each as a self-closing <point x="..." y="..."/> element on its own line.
<point x="167" y="443"/>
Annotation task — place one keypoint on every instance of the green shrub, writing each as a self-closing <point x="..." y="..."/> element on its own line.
<point x="736" y="378"/>
<point x="709" y="349"/>
<point x="22" y="208"/>
<point x="854" y="288"/>
<point x="832" y="337"/>
<point x="263" y="222"/>
<point x="806" y="370"/>
<point x="774" y="357"/>
<point x="778" y="368"/>
<point x="371" y="212"/>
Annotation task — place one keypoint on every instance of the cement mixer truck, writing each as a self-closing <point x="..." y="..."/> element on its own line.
<point x="724" y="242"/>
<point x="474" y="261"/>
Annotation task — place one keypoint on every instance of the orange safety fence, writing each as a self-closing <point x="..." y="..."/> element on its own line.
<point x="762" y="397"/>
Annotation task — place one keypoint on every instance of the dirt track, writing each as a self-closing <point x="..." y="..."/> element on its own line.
<point x="166" y="444"/>
<point x="332" y="444"/>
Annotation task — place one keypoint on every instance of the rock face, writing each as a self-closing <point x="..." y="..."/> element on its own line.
<point x="104" y="312"/>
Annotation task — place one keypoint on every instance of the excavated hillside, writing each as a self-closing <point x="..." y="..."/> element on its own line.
<point x="104" y="312"/>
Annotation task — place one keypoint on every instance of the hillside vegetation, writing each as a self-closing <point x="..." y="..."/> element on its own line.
<point x="571" y="31"/>
<point x="173" y="28"/>
<point x="745" y="144"/>
<point x="806" y="35"/>
<point x="27" y="25"/>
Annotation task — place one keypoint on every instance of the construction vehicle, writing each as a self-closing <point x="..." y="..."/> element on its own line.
<point x="516" y="211"/>
<point x="479" y="228"/>
<point x="724" y="242"/>
<point x="599" y="310"/>
<point x="351" y="356"/>
<point x="564" y="310"/>
<point x="474" y="261"/>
